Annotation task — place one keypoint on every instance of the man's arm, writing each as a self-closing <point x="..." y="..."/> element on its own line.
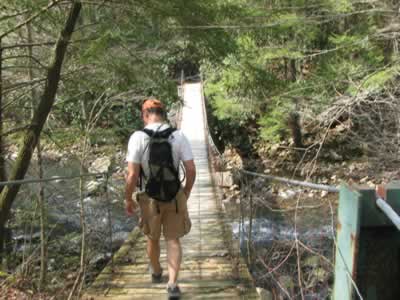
<point x="190" y="170"/>
<point x="130" y="187"/>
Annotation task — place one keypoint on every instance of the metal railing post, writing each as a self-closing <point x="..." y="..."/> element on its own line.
<point x="250" y="228"/>
<point x="109" y="219"/>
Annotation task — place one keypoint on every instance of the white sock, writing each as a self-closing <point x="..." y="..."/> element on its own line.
<point x="152" y="270"/>
<point x="172" y="285"/>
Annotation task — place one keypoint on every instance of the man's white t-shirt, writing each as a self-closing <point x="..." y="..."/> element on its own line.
<point x="138" y="151"/>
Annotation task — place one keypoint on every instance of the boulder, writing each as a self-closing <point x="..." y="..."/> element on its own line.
<point x="274" y="149"/>
<point x="234" y="187"/>
<point x="224" y="179"/>
<point x="93" y="186"/>
<point x="100" y="165"/>
<point x="233" y="158"/>
<point x="264" y="294"/>
<point x="286" y="194"/>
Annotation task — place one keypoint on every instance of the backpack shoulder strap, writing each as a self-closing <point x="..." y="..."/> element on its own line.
<point x="147" y="131"/>
<point x="150" y="133"/>
<point x="166" y="132"/>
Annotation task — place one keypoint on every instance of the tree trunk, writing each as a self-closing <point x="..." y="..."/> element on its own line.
<point x="293" y="72"/>
<point x="295" y="128"/>
<point x="3" y="176"/>
<point x="285" y="63"/>
<point x="32" y="134"/>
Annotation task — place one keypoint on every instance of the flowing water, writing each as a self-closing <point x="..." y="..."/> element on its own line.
<point x="275" y="228"/>
<point x="107" y="223"/>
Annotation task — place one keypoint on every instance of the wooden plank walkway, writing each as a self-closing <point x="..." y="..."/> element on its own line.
<point x="208" y="270"/>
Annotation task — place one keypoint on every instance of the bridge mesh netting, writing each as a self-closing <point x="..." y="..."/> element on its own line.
<point x="285" y="233"/>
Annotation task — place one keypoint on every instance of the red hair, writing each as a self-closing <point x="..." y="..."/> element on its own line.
<point x="152" y="103"/>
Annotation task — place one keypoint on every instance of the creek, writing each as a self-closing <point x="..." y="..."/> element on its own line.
<point x="107" y="223"/>
<point x="275" y="227"/>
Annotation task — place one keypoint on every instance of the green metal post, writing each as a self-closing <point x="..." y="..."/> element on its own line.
<point x="348" y="227"/>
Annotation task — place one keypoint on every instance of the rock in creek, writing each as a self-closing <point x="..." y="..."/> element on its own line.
<point x="100" y="259"/>
<point x="264" y="294"/>
<point x="93" y="186"/>
<point x="286" y="194"/>
<point x="100" y="165"/>
<point x="26" y="237"/>
<point x="224" y="179"/>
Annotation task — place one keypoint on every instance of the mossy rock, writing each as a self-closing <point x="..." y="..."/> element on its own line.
<point x="3" y="275"/>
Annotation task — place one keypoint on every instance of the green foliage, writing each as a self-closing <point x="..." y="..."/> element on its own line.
<point x="225" y="108"/>
<point x="3" y="275"/>
<point x="273" y="127"/>
<point x="273" y="124"/>
<point x="341" y="6"/>
<point x="309" y="53"/>
<point x="62" y="137"/>
<point x="380" y="79"/>
<point x="306" y="51"/>
<point x="125" y="52"/>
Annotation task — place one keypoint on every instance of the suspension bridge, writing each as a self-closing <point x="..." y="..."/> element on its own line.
<point x="368" y="223"/>
<point x="212" y="269"/>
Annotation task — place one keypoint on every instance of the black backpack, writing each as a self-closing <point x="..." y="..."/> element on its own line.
<point x="163" y="183"/>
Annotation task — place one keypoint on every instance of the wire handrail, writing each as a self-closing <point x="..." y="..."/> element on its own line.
<point x="316" y="186"/>
<point x="54" y="178"/>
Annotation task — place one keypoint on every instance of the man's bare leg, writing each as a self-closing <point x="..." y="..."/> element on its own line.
<point x="174" y="258"/>
<point x="153" y="251"/>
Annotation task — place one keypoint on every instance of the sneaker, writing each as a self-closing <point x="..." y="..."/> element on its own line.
<point x="173" y="292"/>
<point x="156" y="278"/>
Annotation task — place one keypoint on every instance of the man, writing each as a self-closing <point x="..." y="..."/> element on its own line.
<point x="170" y="217"/>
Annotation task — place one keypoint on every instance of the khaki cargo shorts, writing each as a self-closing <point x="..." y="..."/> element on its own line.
<point x="173" y="219"/>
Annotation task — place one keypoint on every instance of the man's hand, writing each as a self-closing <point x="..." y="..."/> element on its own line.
<point x="130" y="207"/>
<point x="131" y="180"/>
<point x="187" y="193"/>
<point x="190" y="170"/>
